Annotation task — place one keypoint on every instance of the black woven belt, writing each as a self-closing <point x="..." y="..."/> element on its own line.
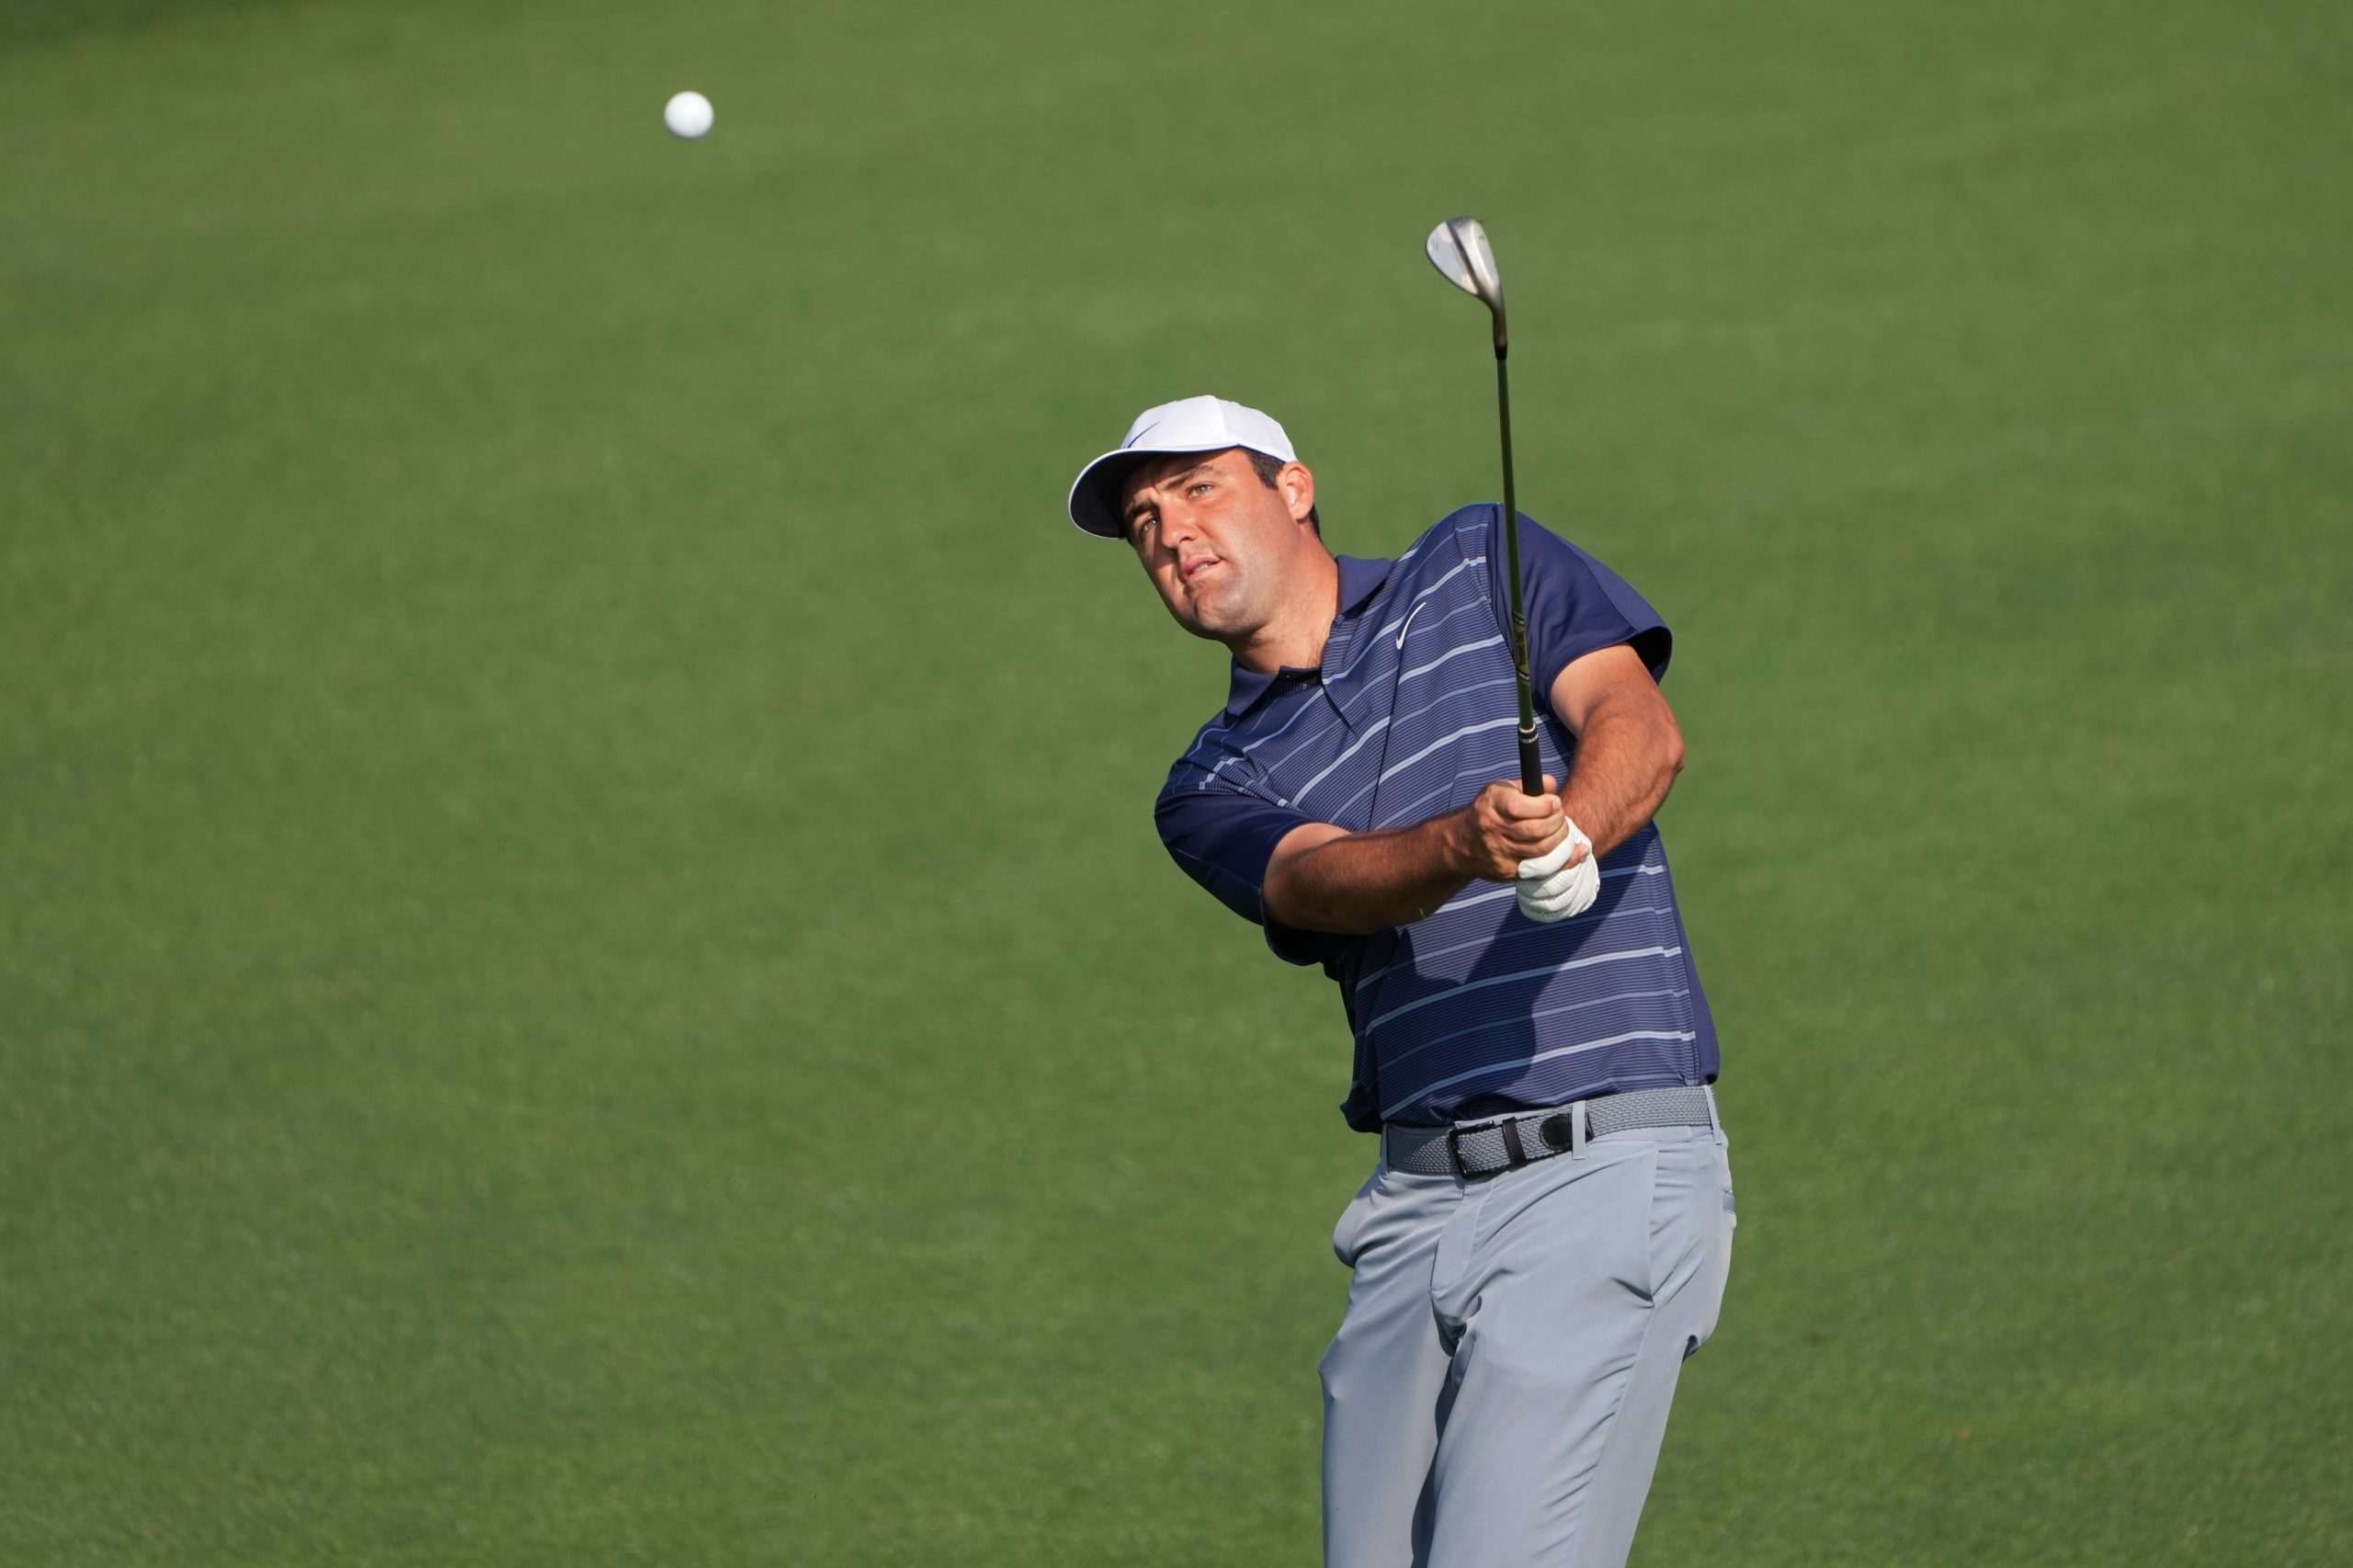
<point x="1475" y="1149"/>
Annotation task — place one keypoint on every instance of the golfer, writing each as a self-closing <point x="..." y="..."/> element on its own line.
<point x="1546" y="1233"/>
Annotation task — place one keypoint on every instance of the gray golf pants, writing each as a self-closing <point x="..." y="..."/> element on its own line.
<point x="1499" y="1385"/>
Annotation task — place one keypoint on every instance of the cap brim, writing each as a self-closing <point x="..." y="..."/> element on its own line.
<point x="1094" y="496"/>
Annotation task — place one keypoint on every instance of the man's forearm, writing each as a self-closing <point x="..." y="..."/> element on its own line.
<point x="1324" y="878"/>
<point x="1625" y="763"/>
<point x="1357" y="882"/>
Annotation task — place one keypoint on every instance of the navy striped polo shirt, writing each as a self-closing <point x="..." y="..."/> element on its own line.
<point x="1475" y="1009"/>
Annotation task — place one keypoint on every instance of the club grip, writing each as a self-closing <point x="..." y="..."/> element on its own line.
<point x="1531" y="766"/>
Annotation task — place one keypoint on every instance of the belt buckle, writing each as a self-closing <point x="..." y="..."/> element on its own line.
<point x="1517" y="1154"/>
<point x="1514" y="1158"/>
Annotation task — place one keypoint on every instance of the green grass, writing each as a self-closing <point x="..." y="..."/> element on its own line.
<point x="583" y="971"/>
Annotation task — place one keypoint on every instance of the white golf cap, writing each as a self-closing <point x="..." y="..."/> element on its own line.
<point x="1188" y="424"/>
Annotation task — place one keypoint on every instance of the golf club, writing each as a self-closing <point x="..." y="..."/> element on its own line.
<point x="1459" y="248"/>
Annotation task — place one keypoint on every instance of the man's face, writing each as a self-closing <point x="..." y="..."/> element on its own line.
<point x="1218" y="543"/>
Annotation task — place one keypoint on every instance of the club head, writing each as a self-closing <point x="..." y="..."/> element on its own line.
<point x="1458" y="249"/>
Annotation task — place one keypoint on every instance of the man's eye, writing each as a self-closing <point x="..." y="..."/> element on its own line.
<point x="1198" y="486"/>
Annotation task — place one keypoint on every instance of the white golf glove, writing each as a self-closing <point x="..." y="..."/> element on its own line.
<point x="1550" y="889"/>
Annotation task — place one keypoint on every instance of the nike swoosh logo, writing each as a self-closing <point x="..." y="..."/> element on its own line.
<point x="1143" y="433"/>
<point x="1409" y="623"/>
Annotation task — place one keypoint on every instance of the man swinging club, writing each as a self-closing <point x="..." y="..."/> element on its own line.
<point x="1546" y="1233"/>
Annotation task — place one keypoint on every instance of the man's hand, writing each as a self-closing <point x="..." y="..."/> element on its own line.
<point x="1503" y="828"/>
<point x="1561" y="883"/>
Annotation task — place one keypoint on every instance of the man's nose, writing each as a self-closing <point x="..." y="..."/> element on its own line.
<point x="1178" y="524"/>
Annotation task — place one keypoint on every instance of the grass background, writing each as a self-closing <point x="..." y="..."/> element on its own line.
<point x="585" y="976"/>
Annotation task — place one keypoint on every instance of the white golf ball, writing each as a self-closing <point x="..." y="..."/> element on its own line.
<point x="686" y="115"/>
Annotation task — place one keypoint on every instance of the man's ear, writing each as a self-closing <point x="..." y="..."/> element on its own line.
<point x="1297" y="488"/>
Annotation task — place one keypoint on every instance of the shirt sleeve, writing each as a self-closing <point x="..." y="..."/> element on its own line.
<point x="1576" y="606"/>
<point x="1224" y="838"/>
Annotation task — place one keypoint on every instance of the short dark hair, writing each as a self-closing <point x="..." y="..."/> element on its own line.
<point x="1265" y="467"/>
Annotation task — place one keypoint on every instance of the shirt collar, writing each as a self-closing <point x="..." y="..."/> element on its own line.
<point x="1360" y="580"/>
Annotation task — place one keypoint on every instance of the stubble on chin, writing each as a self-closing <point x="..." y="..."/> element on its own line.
<point x="1214" y="615"/>
<point x="1188" y="615"/>
<point x="1188" y="609"/>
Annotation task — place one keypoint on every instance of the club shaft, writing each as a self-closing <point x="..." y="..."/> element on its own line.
<point x="1531" y="765"/>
